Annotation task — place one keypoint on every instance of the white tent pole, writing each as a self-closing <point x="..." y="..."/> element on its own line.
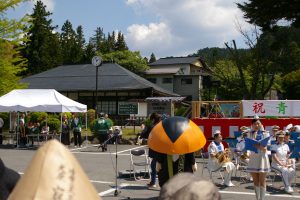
<point x="18" y="121"/>
<point x="61" y="114"/>
<point x="86" y="123"/>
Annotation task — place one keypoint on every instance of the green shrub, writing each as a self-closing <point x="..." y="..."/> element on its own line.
<point x="180" y="111"/>
<point x="90" y="115"/>
<point x="35" y="117"/>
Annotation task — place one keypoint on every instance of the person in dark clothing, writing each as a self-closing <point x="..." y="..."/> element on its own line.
<point x="8" y="180"/>
<point x="181" y="163"/>
<point x="65" y="132"/>
<point x="155" y="118"/>
<point x="76" y="125"/>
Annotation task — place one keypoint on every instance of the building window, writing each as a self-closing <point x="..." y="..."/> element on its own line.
<point x="108" y="107"/>
<point x="153" y="80"/>
<point x="186" y="81"/>
<point x="167" y="80"/>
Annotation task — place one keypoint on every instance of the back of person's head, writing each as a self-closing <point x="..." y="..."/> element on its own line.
<point x="155" y="118"/>
<point x="185" y="186"/>
<point x="8" y="180"/>
<point x="101" y="114"/>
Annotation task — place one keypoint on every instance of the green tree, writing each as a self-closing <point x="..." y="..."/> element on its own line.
<point x="80" y="45"/>
<point x="152" y="58"/>
<point x="68" y="43"/>
<point x="43" y="49"/>
<point x="11" y="36"/>
<point x="132" y="61"/>
<point x="98" y="40"/>
<point x="89" y="53"/>
<point x="120" y="43"/>
<point x="266" y="14"/>
<point x="291" y="85"/>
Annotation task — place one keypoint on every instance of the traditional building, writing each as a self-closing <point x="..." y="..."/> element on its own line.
<point x="182" y="75"/>
<point x="115" y="85"/>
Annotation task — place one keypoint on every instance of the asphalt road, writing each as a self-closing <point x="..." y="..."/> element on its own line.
<point x="100" y="168"/>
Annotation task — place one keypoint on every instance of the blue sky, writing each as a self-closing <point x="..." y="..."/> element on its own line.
<point x="164" y="27"/>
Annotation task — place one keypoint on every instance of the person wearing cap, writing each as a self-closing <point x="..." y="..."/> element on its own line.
<point x="280" y="161"/>
<point x="240" y="146"/>
<point x="259" y="164"/>
<point x="102" y="127"/>
<point x="274" y="131"/>
<point x="289" y="128"/>
<point x="216" y="147"/>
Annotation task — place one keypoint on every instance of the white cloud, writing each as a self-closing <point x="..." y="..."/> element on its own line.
<point x="183" y="27"/>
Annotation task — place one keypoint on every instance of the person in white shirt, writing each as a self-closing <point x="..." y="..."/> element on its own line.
<point x="214" y="149"/>
<point x="274" y="131"/>
<point x="280" y="161"/>
<point x="240" y="147"/>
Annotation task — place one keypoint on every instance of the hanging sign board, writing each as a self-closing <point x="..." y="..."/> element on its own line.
<point x="128" y="108"/>
<point x="280" y="108"/>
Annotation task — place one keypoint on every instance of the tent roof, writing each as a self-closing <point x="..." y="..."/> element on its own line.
<point x="39" y="100"/>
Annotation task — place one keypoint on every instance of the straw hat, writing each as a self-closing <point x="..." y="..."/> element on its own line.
<point x="54" y="173"/>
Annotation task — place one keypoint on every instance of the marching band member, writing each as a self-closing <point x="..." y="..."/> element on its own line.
<point x="274" y="131"/>
<point x="280" y="161"/>
<point x="259" y="163"/>
<point x="216" y="150"/>
<point x="240" y="147"/>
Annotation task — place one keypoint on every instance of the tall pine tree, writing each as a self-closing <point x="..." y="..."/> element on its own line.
<point x="43" y="50"/>
<point x="152" y="58"/>
<point x="120" y="43"/>
<point x="68" y="43"/>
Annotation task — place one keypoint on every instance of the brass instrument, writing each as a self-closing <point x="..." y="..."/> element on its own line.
<point x="223" y="157"/>
<point x="245" y="156"/>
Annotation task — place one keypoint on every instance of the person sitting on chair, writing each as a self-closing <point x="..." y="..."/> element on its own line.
<point x="280" y="161"/>
<point x="273" y="134"/>
<point x="219" y="157"/>
<point x="240" y="147"/>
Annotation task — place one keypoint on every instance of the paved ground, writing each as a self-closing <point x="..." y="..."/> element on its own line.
<point x="100" y="168"/>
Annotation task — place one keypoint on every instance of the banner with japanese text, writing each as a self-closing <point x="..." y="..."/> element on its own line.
<point x="280" y="108"/>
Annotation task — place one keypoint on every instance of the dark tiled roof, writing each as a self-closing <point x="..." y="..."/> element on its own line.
<point x="111" y="77"/>
<point x="175" y="60"/>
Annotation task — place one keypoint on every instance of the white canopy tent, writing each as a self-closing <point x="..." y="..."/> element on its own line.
<point x="38" y="100"/>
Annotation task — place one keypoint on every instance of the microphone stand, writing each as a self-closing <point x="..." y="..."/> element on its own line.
<point x="117" y="192"/>
<point x="114" y="135"/>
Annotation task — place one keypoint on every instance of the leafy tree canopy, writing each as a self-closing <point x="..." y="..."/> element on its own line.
<point x="11" y="38"/>
<point x="267" y="13"/>
<point x="132" y="61"/>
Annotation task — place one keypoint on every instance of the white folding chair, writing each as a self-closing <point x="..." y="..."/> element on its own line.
<point x="139" y="161"/>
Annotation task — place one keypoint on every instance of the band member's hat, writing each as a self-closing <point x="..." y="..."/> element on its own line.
<point x="275" y="128"/>
<point x="280" y="134"/>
